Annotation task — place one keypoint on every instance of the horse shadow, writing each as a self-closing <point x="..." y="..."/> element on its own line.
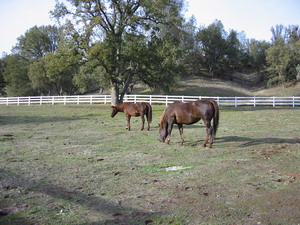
<point x="243" y="141"/>
<point x="246" y="141"/>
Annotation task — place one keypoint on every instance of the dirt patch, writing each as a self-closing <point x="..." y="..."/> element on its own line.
<point x="12" y="209"/>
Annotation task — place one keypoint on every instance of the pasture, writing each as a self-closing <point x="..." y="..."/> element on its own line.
<point x="76" y="165"/>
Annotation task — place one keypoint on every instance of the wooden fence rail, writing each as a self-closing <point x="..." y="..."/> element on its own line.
<point x="152" y="99"/>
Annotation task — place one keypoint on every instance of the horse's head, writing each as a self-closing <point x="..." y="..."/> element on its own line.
<point x="162" y="134"/>
<point x="114" y="111"/>
<point x="162" y="128"/>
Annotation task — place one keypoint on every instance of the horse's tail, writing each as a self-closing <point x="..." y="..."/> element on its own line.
<point x="216" y="116"/>
<point x="149" y="112"/>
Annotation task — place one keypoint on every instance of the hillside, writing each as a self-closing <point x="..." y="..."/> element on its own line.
<point x="239" y="84"/>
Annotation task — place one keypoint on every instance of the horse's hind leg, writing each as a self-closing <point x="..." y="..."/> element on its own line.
<point x="180" y="127"/>
<point x="209" y="134"/>
<point x="128" y="122"/>
<point x="148" y="122"/>
<point x="211" y="138"/>
<point x="143" y="122"/>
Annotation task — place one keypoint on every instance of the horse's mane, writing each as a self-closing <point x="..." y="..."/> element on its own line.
<point x="162" y="118"/>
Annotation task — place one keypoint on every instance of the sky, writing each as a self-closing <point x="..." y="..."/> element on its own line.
<point x="254" y="17"/>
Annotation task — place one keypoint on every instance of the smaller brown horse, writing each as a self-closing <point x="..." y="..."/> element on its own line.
<point x="189" y="113"/>
<point x="134" y="109"/>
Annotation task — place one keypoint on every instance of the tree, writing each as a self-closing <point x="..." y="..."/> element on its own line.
<point x="38" y="41"/>
<point x="28" y="59"/>
<point x="283" y="57"/>
<point x="107" y="24"/>
<point x="193" y="58"/>
<point x="257" y="52"/>
<point x="282" y="61"/>
<point x="233" y="51"/>
<point x="16" y="76"/>
<point x="213" y="44"/>
<point x="54" y="73"/>
<point x="2" y="82"/>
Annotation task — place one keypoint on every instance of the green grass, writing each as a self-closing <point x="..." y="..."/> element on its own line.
<point x="77" y="165"/>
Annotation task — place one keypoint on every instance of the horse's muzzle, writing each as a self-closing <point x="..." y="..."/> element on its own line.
<point x="161" y="139"/>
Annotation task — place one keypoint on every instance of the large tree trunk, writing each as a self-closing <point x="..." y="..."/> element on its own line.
<point x="115" y="95"/>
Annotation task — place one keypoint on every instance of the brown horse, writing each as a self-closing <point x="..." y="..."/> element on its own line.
<point x="134" y="109"/>
<point x="189" y="113"/>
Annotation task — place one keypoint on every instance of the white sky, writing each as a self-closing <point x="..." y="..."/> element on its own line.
<point x="254" y="17"/>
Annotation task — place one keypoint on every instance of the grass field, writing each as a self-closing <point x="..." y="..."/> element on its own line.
<point x="76" y="165"/>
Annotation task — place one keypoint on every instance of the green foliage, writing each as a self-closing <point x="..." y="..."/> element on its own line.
<point x="282" y="59"/>
<point x="220" y="51"/>
<point x="16" y="76"/>
<point x="257" y="53"/>
<point x="2" y="82"/>
<point x="213" y="43"/>
<point x="125" y="27"/>
<point x="38" y="41"/>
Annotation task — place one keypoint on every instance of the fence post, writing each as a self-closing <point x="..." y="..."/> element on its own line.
<point x="273" y="101"/>
<point x="29" y="100"/>
<point x="166" y="100"/>
<point x="91" y="99"/>
<point x="235" y="101"/>
<point x="41" y="100"/>
<point x="218" y="100"/>
<point x="65" y="98"/>
<point x="254" y="101"/>
<point x="293" y="101"/>
<point x="18" y="101"/>
<point x="150" y="100"/>
<point x="52" y="100"/>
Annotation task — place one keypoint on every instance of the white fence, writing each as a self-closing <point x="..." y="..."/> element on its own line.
<point x="152" y="99"/>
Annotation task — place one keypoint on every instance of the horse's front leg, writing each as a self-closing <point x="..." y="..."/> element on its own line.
<point x="169" y="130"/>
<point x="143" y="122"/>
<point x="180" y="127"/>
<point x="128" y="122"/>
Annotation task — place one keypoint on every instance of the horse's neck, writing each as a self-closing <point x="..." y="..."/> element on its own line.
<point x="163" y="120"/>
<point x="121" y="107"/>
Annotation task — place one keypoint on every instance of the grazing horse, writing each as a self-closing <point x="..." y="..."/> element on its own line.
<point x="189" y="113"/>
<point x="134" y="109"/>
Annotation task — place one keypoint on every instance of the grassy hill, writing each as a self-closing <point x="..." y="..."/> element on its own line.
<point x="239" y="84"/>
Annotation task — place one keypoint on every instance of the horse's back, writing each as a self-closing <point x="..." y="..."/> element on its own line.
<point x="130" y="109"/>
<point x="190" y="112"/>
